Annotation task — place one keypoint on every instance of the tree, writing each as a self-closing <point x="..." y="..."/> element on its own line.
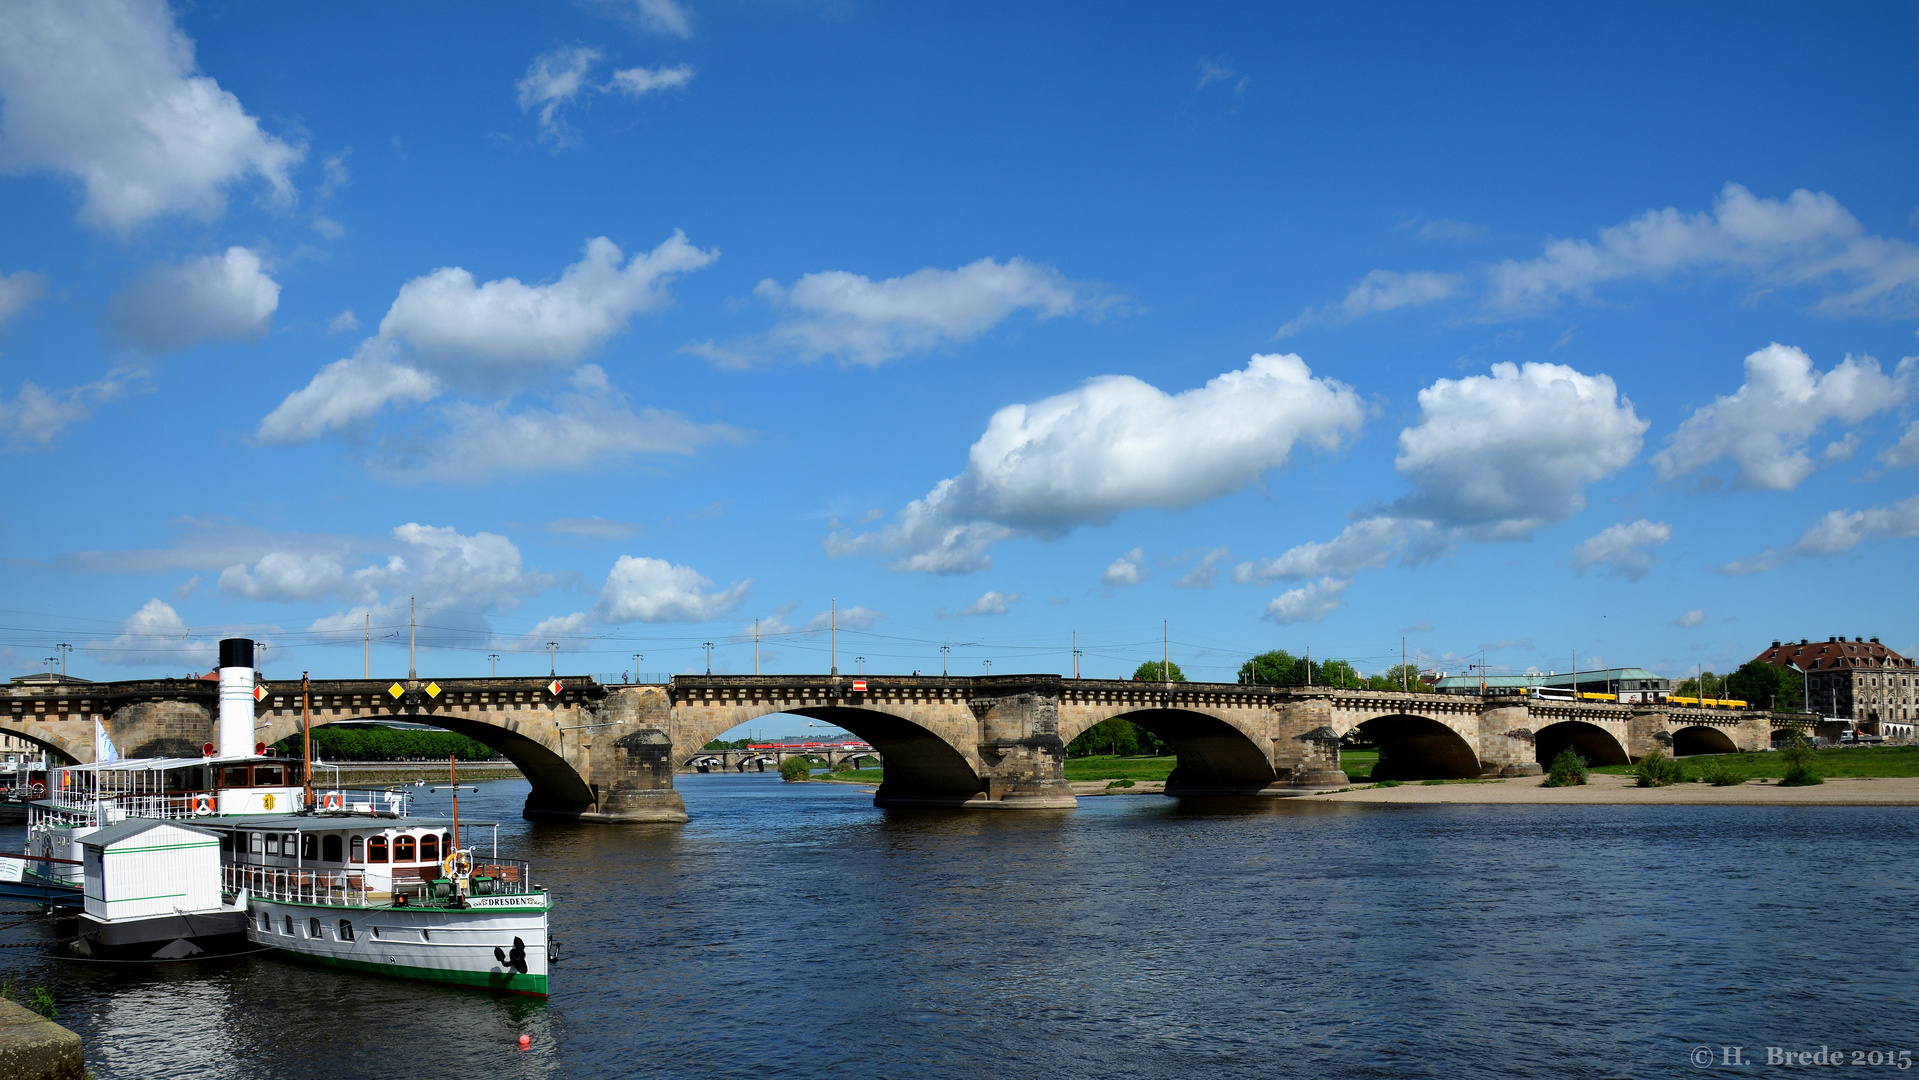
<point x="1275" y="668"/>
<point x="1714" y="685"/>
<point x="1150" y="671"/>
<point x="1119" y="737"/>
<point x="1403" y="677"/>
<point x="1764" y="686"/>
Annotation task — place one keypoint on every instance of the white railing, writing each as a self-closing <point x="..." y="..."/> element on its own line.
<point x="341" y="889"/>
<point x="105" y="808"/>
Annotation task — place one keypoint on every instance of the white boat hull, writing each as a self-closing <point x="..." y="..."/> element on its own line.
<point x="471" y="946"/>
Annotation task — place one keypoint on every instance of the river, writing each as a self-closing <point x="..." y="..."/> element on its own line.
<point x="793" y="930"/>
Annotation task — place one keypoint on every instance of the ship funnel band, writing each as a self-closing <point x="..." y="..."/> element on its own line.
<point x="236" y="652"/>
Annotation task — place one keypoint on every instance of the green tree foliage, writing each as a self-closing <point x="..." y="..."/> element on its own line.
<point x="332" y="743"/>
<point x="1150" y="672"/>
<point x="1276" y="668"/>
<point x="1764" y="686"/>
<point x="1715" y="686"/>
<point x="1120" y="738"/>
<point x="795" y="769"/>
<point x="1799" y="771"/>
<point x="1568" y="770"/>
<point x="1281" y="668"/>
<point x="1658" y="770"/>
<point x="728" y="744"/>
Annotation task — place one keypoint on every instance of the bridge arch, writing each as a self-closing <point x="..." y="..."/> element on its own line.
<point x="54" y="743"/>
<point x="924" y="766"/>
<point x="1592" y="742"/>
<point x="1419" y="748"/>
<point x="556" y="784"/>
<point x="1700" y="739"/>
<point x="1214" y="756"/>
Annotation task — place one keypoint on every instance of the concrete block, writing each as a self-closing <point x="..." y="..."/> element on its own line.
<point x="33" y="1047"/>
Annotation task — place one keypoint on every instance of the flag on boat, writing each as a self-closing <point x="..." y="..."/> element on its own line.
<point x="103" y="748"/>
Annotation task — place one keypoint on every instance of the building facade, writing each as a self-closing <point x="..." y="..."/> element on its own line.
<point x="1858" y="680"/>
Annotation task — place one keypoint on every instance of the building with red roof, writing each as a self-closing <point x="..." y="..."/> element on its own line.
<point x="1860" y="680"/>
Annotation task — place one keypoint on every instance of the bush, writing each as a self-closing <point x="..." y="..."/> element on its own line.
<point x="796" y="768"/>
<point x="1568" y="770"/>
<point x="1119" y="784"/>
<point x="1799" y="772"/>
<point x="1720" y="774"/>
<point x="1658" y="770"/>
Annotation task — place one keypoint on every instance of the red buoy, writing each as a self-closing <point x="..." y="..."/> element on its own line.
<point x="526" y="1041"/>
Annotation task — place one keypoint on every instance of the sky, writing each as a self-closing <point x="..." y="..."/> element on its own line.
<point x="1508" y="334"/>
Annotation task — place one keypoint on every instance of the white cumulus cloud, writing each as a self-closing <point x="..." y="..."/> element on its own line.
<point x="285" y="576"/>
<point x="227" y="297"/>
<point x="644" y="80"/>
<point x="990" y="602"/>
<point x="1763" y="427"/>
<point x="1500" y="455"/>
<point x="447" y="332"/>
<point x="1623" y="548"/>
<point x="18" y="291"/>
<point x="108" y="92"/>
<point x="1203" y="572"/>
<point x="1838" y="532"/>
<point x="861" y="321"/>
<point x="1114" y="444"/>
<point x="1690" y="619"/>
<point x="1903" y="454"/>
<point x="155" y="636"/>
<point x="1308" y="603"/>
<point x="1364" y="544"/>
<point x="1806" y="239"/>
<point x="554" y="79"/>
<point x="1380" y="290"/>
<point x="641" y="589"/>
<point x="1128" y="569"/>
<point x="592" y="424"/>
<point x="37" y="415"/>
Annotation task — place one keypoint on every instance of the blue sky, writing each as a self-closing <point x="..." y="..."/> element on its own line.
<point x="1516" y="328"/>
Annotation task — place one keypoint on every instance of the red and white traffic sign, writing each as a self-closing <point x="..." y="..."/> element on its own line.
<point x="259" y="691"/>
<point x="859" y="686"/>
<point x="555" y="687"/>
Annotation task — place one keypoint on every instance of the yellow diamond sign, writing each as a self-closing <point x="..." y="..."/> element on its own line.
<point x="433" y="690"/>
<point x="396" y="691"/>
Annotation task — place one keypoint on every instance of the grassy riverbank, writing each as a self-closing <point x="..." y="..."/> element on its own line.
<point x="1831" y="762"/>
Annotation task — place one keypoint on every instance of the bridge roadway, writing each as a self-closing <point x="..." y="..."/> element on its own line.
<point x="608" y="753"/>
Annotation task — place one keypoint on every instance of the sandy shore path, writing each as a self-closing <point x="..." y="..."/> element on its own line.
<point x="1621" y="790"/>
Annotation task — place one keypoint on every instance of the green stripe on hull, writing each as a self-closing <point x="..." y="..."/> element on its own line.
<point x="515" y="983"/>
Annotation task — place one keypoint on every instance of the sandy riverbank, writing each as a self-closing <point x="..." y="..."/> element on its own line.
<point x="1622" y="790"/>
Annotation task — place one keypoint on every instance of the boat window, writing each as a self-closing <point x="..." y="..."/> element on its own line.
<point x="446" y="842"/>
<point x="289" y="848"/>
<point x="359" y="850"/>
<point x="429" y="848"/>
<point x="254" y="843"/>
<point x="233" y="776"/>
<point x="346" y="930"/>
<point x="309" y="846"/>
<point x="269" y="775"/>
<point x="313" y="928"/>
<point x="289" y="925"/>
<point x="273" y="843"/>
<point x="266" y="922"/>
<point x="376" y="931"/>
<point x="403" y="849"/>
<point x="376" y="849"/>
<point x="330" y="848"/>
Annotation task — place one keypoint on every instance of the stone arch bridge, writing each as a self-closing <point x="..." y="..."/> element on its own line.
<point x="608" y="753"/>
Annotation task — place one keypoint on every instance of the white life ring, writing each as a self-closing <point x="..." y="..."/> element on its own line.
<point x="331" y="801"/>
<point x="202" y="805"/>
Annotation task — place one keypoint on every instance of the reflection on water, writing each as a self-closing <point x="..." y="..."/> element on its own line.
<point x="796" y="928"/>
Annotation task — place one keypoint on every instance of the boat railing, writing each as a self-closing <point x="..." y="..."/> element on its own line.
<point x="106" y="808"/>
<point x="340" y="889"/>
<point x="500" y="877"/>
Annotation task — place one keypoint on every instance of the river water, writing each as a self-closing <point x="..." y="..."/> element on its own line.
<point x="794" y="930"/>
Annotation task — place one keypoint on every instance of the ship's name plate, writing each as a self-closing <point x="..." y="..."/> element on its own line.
<point x="506" y="901"/>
